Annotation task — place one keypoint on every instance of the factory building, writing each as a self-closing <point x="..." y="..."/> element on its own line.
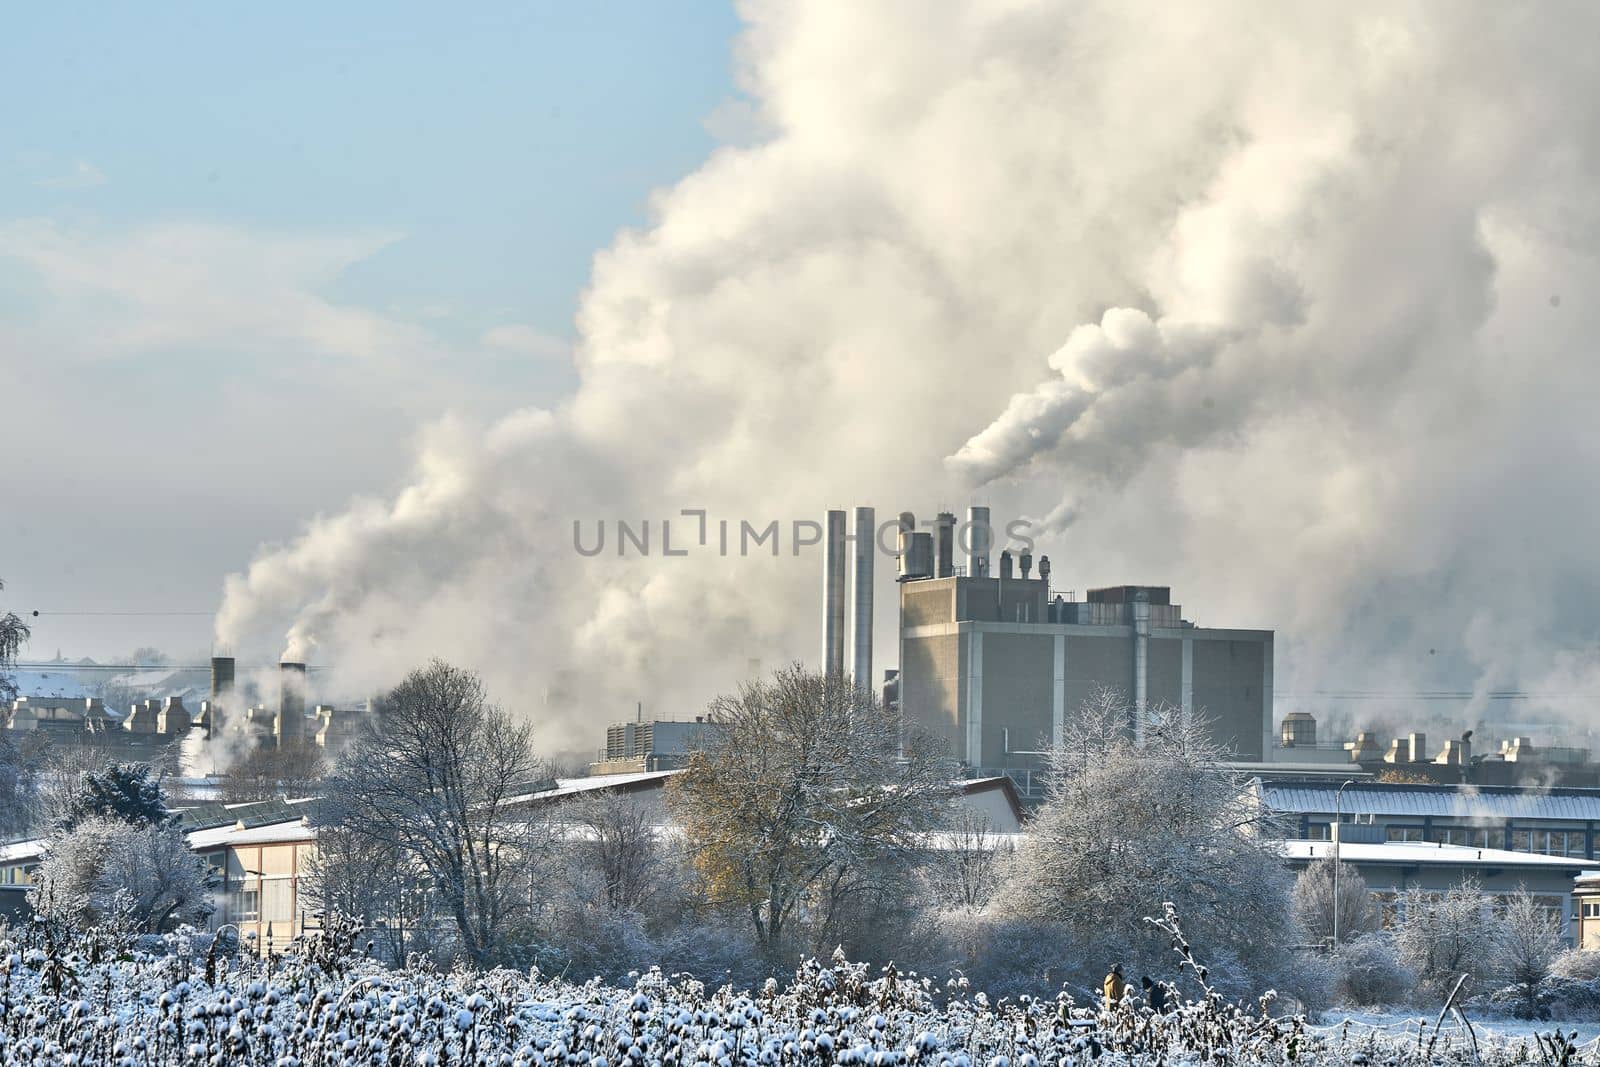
<point x="995" y="661"/>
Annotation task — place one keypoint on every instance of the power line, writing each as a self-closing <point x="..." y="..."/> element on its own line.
<point x="68" y="667"/>
<point x="37" y="614"/>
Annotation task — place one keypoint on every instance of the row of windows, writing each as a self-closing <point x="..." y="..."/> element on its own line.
<point x="1544" y="842"/>
<point x="1392" y="905"/>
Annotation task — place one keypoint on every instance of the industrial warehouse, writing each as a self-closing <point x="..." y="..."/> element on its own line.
<point x="996" y="660"/>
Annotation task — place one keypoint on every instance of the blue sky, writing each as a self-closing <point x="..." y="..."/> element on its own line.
<point x="507" y="142"/>
<point x="430" y="180"/>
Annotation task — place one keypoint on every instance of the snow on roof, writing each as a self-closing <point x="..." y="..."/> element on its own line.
<point x="42" y="685"/>
<point x="567" y="787"/>
<point x="22" y="851"/>
<point x="1458" y="801"/>
<point x="1411" y="853"/>
<point x="289" y="831"/>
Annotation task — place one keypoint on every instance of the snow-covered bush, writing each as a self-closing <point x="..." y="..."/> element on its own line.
<point x="1368" y="972"/>
<point x="1580" y="964"/>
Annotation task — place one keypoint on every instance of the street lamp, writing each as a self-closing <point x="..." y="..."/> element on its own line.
<point x="1338" y="813"/>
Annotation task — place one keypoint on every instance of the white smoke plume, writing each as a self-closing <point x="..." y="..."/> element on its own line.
<point x="1286" y="305"/>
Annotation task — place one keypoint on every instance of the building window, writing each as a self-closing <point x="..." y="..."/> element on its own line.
<point x="1591" y="909"/>
<point x="1403" y="833"/>
<point x="277" y="900"/>
<point x="1469" y="836"/>
<point x="1550" y="842"/>
<point x="247" y="905"/>
<point x="1317" y="831"/>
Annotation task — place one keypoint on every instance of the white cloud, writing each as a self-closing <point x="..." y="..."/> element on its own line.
<point x="525" y="340"/>
<point x="82" y="175"/>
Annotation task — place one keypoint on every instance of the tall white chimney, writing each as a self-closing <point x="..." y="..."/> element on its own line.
<point x="861" y="595"/>
<point x="980" y="540"/>
<point x="833" y="594"/>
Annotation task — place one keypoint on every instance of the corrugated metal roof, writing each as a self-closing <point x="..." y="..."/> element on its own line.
<point x="1457" y="801"/>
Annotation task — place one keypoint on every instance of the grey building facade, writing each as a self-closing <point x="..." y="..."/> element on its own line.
<point x="999" y="668"/>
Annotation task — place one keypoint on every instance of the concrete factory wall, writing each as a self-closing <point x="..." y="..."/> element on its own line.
<point x="1000" y="687"/>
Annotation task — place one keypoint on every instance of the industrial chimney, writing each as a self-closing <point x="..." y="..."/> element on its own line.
<point x="1027" y="564"/>
<point x="1044" y="571"/>
<point x="920" y="558"/>
<point x="221" y="705"/>
<point x="864" y="548"/>
<point x="833" y="594"/>
<point x="291" y="723"/>
<point x="944" y="535"/>
<point x="902" y="545"/>
<point x="980" y="539"/>
<point x="1005" y="565"/>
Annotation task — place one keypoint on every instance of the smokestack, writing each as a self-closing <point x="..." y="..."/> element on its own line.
<point x="865" y="545"/>
<point x="920" y="558"/>
<point x="291" y="723"/>
<point x="1005" y="564"/>
<point x="221" y="692"/>
<point x="944" y="528"/>
<point x="980" y="539"/>
<point x="1044" y="570"/>
<point x="902" y="545"/>
<point x="1027" y="564"/>
<point x="833" y="594"/>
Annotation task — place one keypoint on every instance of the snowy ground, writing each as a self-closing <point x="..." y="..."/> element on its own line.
<point x="1398" y="1024"/>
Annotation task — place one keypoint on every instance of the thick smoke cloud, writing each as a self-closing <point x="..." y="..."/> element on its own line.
<point x="1288" y="306"/>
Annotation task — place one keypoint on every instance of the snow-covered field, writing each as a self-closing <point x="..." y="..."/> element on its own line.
<point x="1402" y="1023"/>
<point x="86" y="1003"/>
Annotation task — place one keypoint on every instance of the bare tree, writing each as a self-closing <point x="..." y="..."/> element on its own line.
<point x="266" y="772"/>
<point x="962" y="869"/>
<point x="1529" y="941"/>
<point x="21" y="780"/>
<point x="1129" y="825"/>
<point x="356" y="876"/>
<point x="13" y="633"/>
<point x="1314" y="903"/>
<point x="617" y="841"/>
<point x="437" y="785"/>
<point x="809" y="791"/>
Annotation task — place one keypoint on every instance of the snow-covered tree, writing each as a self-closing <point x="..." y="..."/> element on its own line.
<point x="136" y="878"/>
<point x="1441" y="936"/>
<point x="436" y="785"/>
<point x="1529" y="941"/>
<point x="811" y="797"/>
<point x="128" y="792"/>
<point x="1314" y="903"/>
<point x="1131" y="824"/>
